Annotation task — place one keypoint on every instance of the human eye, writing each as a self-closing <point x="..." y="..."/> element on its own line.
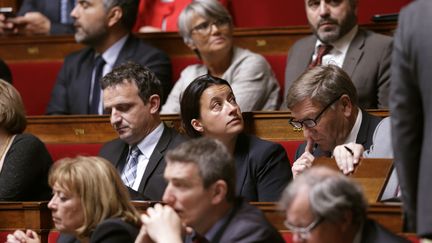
<point x="202" y="26"/>
<point x="84" y="4"/>
<point x="124" y="107"/>
<point x="313" y="3"/>
<point x="216" y="105"/>
<point x="334" y="2"/>
<point x="232" y="100"/>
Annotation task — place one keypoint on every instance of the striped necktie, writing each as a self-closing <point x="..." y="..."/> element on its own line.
<point x="130" y="170"/>
<point x="322" y="51"/>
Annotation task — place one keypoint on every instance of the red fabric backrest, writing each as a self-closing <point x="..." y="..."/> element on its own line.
<point x="53" y="235"/>
<point x="278" y="64"/>
<point x="273" y="13"/>
<point x="179" y="63"/>
<point x="59" y="151"/>
<point x="291" y="148"/>
<point x="35" y="80"/>
<point x="287" y="236"/>
<point x="3" y="235"/>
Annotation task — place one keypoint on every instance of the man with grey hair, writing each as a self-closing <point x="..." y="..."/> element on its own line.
<point x="338" y="40"/>
<point x="105" y="27"/>
<point x="323" y="103"/>
<point x="322" y="205"/>
<point x="201" y="195"/>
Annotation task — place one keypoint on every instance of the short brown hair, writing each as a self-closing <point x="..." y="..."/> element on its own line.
<point x="101" y="191"/>
<point x="322" y="84"/>
<point x="12" y="112"/>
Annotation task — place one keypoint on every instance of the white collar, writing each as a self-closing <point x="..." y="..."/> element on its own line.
<point x="352" y="137"/>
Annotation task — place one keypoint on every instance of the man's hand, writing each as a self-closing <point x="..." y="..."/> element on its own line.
<point x="20" y="237"/>
<point x="5" y="25"/>
<point x="32" y="23"/>
<point x="162" y="224"/>
<point x="305" y="161"/>
<point x="347" y="156"/>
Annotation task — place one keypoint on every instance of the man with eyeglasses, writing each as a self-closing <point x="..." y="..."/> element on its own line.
<point x="325" y="206"/>
<point x="323" y="103"/>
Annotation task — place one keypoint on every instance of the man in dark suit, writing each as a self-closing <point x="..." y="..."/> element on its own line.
<point x="41" y="17"/>
<point x="364" y="55"/>
<point x="411" y="109"/>
<point x="322" y="205"/>
<point x="201" y="195"/>
<point x="132" y="97"/>
<point x="104" y="26"/>
<point x="323" y="103"/>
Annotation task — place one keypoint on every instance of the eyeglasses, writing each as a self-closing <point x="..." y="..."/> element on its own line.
<point x="303" y="232"/>
<point x="310" y="123"/>
<point x="206" y="27"/>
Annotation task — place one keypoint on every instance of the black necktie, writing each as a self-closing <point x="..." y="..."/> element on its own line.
<point x="322" y="51"/>
<point x="98" y="67"/>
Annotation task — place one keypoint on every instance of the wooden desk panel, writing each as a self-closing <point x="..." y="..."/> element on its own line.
<point x="97" y="129"/>
<point x="276" y="40"/>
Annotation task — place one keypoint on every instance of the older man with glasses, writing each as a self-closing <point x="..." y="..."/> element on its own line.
<point x="323" y="103"/>
<point x="322" y="206"/>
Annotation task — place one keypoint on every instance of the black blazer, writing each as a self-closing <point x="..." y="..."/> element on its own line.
<point x="108" y="231"/>
<point x="51" y="9"/>
<point x="71" y="92"/>
<point x="375" y="233"/>
<point x="152" y="184"/>
<point x="364" y="136"/>
<point x="247" y="223"/>
<point x="262" y="167"/>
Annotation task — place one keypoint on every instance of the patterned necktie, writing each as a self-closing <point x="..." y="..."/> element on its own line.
<point x="322" y="51"/>
<point x="98" y="67"/>
<point x="130" y="170"/>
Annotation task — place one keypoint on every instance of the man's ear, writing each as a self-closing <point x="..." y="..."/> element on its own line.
<point x="219" y="191"/>
<point x="347" y="105"/>
<point x="197" y="125"/>
<point x="154" y="102"/>
<point x="114" y="16"/>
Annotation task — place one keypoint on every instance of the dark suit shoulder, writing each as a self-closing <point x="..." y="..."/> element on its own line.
<point x="250" y="225"/>
<point x="375" y="233"/>
<point x="114" y="230"/>
<point x="115" y="145"/>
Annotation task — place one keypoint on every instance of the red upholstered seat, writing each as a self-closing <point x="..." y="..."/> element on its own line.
<point x="35" y="80"/>
<point x="59" y="151"/>
<point x="291" y="148"/>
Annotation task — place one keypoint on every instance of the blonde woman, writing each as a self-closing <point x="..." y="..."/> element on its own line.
<point x="24" y="159"/>
<point x="89" y="204"/>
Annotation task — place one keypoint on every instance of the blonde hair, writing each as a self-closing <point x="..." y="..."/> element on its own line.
<point x="12" y="113"/>
<point x="101" y="191"/>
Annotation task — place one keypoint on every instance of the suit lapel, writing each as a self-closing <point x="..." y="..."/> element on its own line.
<point x="309" y="50"/>
<point x="362" y="135"/>
<point x="83" y="80"/>
<point x="156" y="157"/>
<point x="126" y="52"/>
<point x="241" y="155"/>
<point x="354" y="53"/>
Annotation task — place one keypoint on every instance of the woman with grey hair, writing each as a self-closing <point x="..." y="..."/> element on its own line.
<point x="207" y="29"/>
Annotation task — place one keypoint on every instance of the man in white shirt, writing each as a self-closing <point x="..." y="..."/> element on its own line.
<point x="323" y="103"/>
<point x="132" y="96"/>
<point x="365" y="56"/>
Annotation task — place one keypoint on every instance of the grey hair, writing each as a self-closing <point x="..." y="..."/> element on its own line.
<point x="331" y="195"/>
<point x="322" y="84"/>
<point x="208" y="9"/>
<point x="213" y="160"/>
<point x="129" y="8"/>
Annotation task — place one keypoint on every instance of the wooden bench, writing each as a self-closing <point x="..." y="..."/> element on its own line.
<point x="36" y="60"/>
<point x="36" y="216"/>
